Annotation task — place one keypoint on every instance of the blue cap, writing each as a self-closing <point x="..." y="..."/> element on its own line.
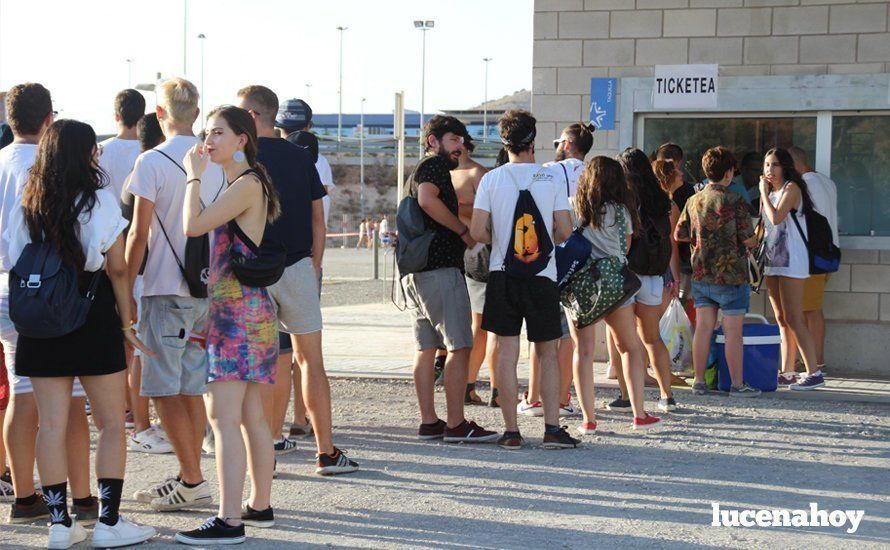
<point x="293" y="114"/>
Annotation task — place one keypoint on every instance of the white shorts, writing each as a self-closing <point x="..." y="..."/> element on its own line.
<point x="651" y="291"/>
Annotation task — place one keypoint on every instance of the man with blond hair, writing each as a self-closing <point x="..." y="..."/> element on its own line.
<point x="171" y="315"/>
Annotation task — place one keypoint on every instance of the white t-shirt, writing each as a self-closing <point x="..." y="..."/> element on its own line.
<point x="16" y="161"/>
<point x="99" y="228"/>
<point x="327" y="179"/>
<point x="497" y="194"/>
<point x="573" y="168"/>
<point x="823" y="191"/>
<point x="157" y="179"/>
<point x="118" y="157"/>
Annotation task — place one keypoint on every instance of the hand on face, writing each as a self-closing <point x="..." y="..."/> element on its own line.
<point x="195" y="161"/>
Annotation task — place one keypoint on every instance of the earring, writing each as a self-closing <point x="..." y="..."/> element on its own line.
<point x="238" y="156"/>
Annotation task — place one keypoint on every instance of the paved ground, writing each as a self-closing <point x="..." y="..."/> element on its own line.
<point x="785" y="450"/>
<point x="617" y="489"/>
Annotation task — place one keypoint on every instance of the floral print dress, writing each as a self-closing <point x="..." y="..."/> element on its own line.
<point x="242" y="335"/>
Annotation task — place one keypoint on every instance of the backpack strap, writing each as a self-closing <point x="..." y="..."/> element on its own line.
<point x="173" y="250"/>
<point x="218" y="191"/>
<point x="566" y="173"/>
<point x="622" y="226"/>
<point x="799" y="228"/>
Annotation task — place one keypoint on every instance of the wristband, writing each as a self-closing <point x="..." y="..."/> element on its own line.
<point x="464" y="232"/>
<point x="193" y="179"/>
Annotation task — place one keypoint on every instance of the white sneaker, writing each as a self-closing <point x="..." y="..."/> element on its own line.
<point x="149" y="441"/>
<point x="529" y="409"/>
<point x="123" y="533"/>
<point x="183" y="497"/>
<point x="159" y="490"/>
<point x="568" y="409"/>
<point x="209" y="444"/>
<point x="65" y="537"/>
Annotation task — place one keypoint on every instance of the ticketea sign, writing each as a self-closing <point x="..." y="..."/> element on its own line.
<point x="685" y="87"/>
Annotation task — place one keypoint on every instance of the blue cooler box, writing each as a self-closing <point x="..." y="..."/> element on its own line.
<point x="761" y="355"/>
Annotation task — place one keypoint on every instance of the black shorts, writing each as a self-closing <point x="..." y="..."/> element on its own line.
<point x="510" y="300"/>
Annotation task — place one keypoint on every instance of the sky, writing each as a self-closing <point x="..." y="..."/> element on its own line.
<point x="78" y="49"/>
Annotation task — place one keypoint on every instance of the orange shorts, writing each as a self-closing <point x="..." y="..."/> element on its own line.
<point x="814" y="292"/>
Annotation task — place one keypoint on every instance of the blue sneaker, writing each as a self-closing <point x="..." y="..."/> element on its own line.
<point x="809" y="382"/>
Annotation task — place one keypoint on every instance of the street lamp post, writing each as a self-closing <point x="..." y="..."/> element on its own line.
<point x="202" y="37"/>
<point x="340" y="91"/>
<point x="485" y="103"/>
<point x="185" y="26"/>
<point x="129" y="73"/>
<point x="308" y="86"/>
<point x="361" y="141"/>
<point x="423" y="26"/>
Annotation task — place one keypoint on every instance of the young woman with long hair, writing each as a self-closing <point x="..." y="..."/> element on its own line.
<point x="65" y="202"/>
<point x="783" y="190"/>
<point x="242" y="328"/>
<point x="607" y="210"/>
<point x="654" y="205"/>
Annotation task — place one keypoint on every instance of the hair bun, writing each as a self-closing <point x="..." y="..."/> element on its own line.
<point x="589" y="127"/>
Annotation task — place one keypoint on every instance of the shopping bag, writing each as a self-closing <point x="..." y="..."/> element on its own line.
<point x="676" y="333"/>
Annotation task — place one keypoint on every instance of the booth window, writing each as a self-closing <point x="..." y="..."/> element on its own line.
<point x="860" y="166"/>
<point x="747" y="137"/>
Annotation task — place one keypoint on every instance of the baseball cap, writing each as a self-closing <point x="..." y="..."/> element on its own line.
<point x="306" y="140"/>
<point x="293" y="114"/>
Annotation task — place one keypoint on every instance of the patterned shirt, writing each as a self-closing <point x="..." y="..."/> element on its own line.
<point x="447" y="248"/>
<point x="717" y="223"/>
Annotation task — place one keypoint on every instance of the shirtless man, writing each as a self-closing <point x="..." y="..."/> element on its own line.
<point x="466" y="178"/>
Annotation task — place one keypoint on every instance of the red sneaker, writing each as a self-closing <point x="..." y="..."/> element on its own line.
<point x="587" y="428"/>
<point x="646" y="424"/>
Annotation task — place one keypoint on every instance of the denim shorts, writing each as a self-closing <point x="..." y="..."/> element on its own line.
<point x="732" y="299"/>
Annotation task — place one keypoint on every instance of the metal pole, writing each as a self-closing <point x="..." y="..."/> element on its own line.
<point x="202" y="37"/>
<point x="485" y="103"/>
<point x="308" y="85"/>
<point x="340" y="92"/>
<point x="375" y="237"/>
<point x="185" y="18"/>
<point x="129" y="73"/>
<point x="399" y="129"/>
<point x="422" y="90"/>
<point x="361" y="177"/>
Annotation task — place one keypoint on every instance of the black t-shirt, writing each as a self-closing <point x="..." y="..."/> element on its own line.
<point x="6" y="136"/>
<point x="681" y="195"/>
<point x="447" y="248"/>
<point x="296" y="180"/>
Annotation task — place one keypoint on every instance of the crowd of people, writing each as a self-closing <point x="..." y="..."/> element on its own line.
<point x="680" y="241"/>
<point x="218" y="358"/>
<point x="171" y="239"/>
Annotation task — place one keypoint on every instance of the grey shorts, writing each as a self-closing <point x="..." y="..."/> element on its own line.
<point x="441" y="308"/>
<point x="295" y="297"/>
<point x="476" y="290"/>
<point x="181" y="364"/>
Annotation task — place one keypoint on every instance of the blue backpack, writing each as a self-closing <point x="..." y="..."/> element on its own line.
<point x="44" y="296"/>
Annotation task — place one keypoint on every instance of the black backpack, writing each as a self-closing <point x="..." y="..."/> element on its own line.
<point x="825" y="256"/>
<point x="44" y="294"/>
<point x="195" y="266"/>
<point x="650" y="251"/>
<point x="530" y="247"/>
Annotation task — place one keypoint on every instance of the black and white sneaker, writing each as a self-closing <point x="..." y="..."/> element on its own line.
<point x="335" y="463"/>
<point x="560" y="440"/>
<point x="213" y="531"/>
<point x="284" y="446"/>
<point x="257" y="518"/>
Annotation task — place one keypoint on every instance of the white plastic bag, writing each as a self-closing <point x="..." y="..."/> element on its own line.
<point x="676" y="333"/>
